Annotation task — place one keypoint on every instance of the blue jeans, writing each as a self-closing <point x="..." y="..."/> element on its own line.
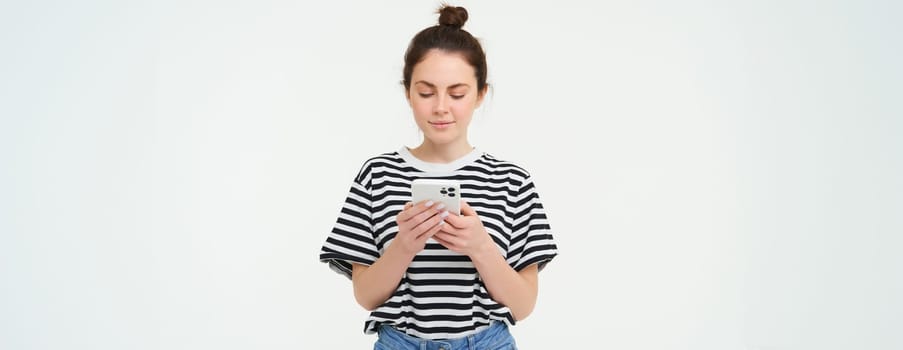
<point x="496" y="337"/>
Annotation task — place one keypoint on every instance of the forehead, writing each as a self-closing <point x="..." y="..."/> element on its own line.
<point x="444" y="69"/>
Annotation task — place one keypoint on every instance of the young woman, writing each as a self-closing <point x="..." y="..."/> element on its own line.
<point x="433" y="279"/>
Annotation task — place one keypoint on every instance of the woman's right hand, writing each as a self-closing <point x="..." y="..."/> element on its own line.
<point x="416" y="224"/>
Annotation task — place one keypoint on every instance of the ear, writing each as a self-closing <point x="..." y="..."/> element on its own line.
<point x="481" y="95"/>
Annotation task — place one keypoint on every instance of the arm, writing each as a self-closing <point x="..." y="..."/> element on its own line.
<point x="516" y="290"/>
<point x="465" y="234"/>
<point x="374" y="284"/>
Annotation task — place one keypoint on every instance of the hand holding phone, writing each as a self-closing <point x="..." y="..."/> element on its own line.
<point x="443" y="191"/>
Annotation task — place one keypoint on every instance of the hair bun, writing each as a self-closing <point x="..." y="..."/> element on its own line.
<point x="452" y="16"/>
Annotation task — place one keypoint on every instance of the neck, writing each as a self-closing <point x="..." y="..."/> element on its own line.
<point x="441" y="153"/>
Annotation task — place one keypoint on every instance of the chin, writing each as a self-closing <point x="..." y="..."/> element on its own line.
<point x="441" y="139"/>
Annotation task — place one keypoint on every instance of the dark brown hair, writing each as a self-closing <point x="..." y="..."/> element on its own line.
<point x="449" y="37"/>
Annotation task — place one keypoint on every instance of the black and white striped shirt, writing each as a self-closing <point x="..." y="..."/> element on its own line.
<point x="441" y="295"/>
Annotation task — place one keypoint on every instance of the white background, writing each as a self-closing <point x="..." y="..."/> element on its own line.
<point x="719" y="175"/>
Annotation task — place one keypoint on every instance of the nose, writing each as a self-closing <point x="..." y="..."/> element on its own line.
<point x="441" y="105"/>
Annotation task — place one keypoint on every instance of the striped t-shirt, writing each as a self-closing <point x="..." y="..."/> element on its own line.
<point x="441" y="295"/>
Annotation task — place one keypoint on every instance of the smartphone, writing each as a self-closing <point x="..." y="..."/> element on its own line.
<point x="439" y="191"/>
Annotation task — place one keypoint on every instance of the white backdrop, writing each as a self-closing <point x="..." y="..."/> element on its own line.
<point x="719" y="175"/>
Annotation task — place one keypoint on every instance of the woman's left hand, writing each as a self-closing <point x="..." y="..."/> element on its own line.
<point x="465" y="233"/>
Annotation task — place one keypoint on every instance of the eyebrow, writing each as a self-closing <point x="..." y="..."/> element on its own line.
<point x="434" y="86"/>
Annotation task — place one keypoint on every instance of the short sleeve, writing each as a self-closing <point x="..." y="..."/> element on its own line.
<point x="351" y="239"/>
<point x="531" y="239"/>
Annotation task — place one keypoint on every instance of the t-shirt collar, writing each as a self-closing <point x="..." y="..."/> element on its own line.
<point x="430" y="167"/>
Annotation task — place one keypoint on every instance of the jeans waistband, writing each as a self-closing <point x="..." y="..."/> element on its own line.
<point x="495" y="335"/>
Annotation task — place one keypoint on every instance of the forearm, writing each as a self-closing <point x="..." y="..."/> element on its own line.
<point x="374" y="284"/>
<point x="516" y="290"/>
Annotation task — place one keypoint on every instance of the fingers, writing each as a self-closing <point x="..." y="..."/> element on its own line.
<point x="456" y="221"/>
<point x="448" y="240"/>
<point x="413" y="209"/>
<point x="431" y="232"/>
<point x="461" y="221"/>
<point x="467" y="210"/>
<point x="418" y="219"/>
<point x="433" y="223"/>
<point x="468" y="217"/>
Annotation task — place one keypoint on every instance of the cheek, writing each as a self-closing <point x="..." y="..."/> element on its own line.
<point x="421" y="106"/>
<point x="463" y="108"/>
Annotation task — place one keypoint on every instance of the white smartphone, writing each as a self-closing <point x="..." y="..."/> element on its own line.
<point x="443" y="191"/>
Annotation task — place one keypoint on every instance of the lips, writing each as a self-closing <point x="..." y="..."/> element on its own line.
<point x="441" y="125"/>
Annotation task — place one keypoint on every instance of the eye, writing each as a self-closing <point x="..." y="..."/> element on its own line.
<point x="425" y="94"/>
<point x="457" y="97"/>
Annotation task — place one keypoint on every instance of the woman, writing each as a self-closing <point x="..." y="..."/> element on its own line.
<point x="434" y="279"/>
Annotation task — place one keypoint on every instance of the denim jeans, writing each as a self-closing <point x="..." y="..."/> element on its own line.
<point x="496" y="337"/>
